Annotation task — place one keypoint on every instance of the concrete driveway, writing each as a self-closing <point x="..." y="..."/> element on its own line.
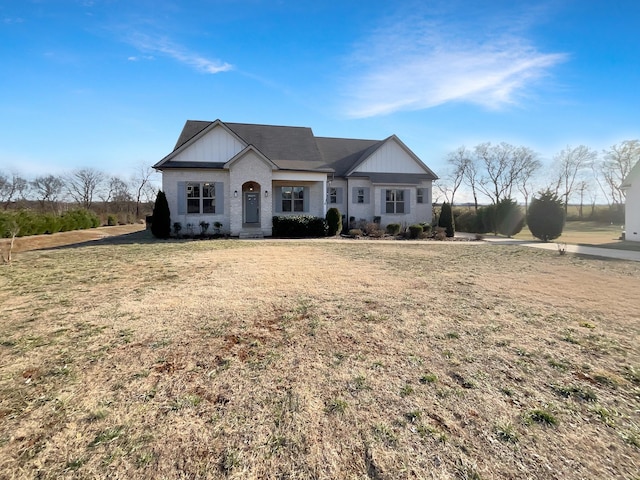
<point x="578" y="249"/>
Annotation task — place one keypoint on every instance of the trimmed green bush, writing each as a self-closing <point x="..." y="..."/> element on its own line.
<point x="393" y="228"/>
<point x="446" y="219"/>
<point x="298" y="226"/>
<point x="334" y="222"/>
<point x="415" y="231"/>
<point x="112" y="220"/>
<point x="426" y="228"/>
<point x="161" y="221"/>
<point x="546" y="216"/>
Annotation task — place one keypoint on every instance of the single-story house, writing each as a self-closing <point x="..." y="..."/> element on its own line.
<point x="631" y="186"/>
<point x="241" y="175"/>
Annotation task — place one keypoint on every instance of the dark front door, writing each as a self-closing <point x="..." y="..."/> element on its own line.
<point x="251" y="207"/>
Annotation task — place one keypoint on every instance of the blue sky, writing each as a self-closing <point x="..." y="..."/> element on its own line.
<point x="109" y="84"/>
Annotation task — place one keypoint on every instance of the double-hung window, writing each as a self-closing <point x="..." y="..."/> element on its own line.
<point x="394" y="201"/>
<point x="360" y="195"/>
<point x="201" y="197"/>
<point x="333" y="195"/>
<point x="420" y="195"/>
<point x="293" y="199"/>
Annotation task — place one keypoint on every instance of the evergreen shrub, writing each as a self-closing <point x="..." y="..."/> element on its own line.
<point x="415" y="231"/>
<point x="446" y="219"/>
<point x="509" y="217"/>
<point x="545" y="217"/>
<point x="334" y="222"/>
<point x="393" y="229"/>
<point x="161" y="221"/>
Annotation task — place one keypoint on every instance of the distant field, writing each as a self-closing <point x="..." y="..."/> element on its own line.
<point x="588" y="233"/>
<point x="247" y="360"/>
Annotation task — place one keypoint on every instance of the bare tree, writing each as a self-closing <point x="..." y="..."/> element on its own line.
<point x="526" y="181"/>
<point x="471" y="179"/>
<point x="118" y="195"/>
<point x="12" y="187"/>
<point x="12" y="229"/>
<point x="82" y="185"/>
<point x="582" y="187"/>
<point x="504" y="168"/>
<point x="48" y="189"/>
<point x="141" y="180"/>
<point x="618" y="162"/>
<point x="459" y="161"/>
<point x="569" y="164"/>
<point x="443" y="188"/>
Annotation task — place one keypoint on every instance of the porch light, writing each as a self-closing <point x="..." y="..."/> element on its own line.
<point x="266" y="193"/>
<point x="235" y="193"/>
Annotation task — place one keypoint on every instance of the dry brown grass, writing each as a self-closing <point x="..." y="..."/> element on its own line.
<point x="228" y="359"/>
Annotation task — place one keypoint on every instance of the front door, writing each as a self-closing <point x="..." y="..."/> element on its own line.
<point x="251" y="207"/>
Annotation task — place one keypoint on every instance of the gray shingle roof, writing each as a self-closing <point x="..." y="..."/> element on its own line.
<point x="280" y="143"/>
<point x="290" y="148"/>
<point x="343" y="153"/>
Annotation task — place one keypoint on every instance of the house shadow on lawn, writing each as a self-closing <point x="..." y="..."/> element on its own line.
<point x="139" y="237"/>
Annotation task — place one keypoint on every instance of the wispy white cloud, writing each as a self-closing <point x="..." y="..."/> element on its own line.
<point x="163" y="46"/>
<point x="138" y="58"/>
<point x="418" y="64"/>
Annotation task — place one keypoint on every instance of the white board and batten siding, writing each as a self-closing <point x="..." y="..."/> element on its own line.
<point x="390" y="158"/>
<point x="632" y="212"/>
<point x="216" y="145"/>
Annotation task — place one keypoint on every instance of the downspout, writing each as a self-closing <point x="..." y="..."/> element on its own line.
<point x="348" y="203"/>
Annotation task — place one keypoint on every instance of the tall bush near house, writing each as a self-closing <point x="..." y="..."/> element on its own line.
<point x="446" y="220"/>
<point x="509" y="217"/>
<point x="546" y="216"/>
<point x="161" y="218"/>
<point x="334" y="222"/>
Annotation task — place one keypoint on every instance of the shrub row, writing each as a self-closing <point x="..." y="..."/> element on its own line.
<point x="32" y="223"/>
<point x="505" y="218"/>
<point x="299" y="226"/>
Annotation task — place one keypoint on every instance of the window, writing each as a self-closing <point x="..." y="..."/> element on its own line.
<point x="293" y="199"/>
<point x="360" y="195"/>
<point x="420" y="195"/>
<point x="201" y="198"/>
<point x="395" y="201"/>
<point x="333" y="195"/>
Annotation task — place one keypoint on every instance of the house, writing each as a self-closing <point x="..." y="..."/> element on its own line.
<point x="631" y="186"/>
<point x="241" y="175"/>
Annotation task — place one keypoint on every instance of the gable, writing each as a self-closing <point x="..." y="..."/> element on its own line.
<point x="633" y="179"/>
<point x="253" y="156"/>
<point x="216" y="145"/>
<point x="390" y="157"/>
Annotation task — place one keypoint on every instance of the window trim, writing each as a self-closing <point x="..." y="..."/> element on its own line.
<point x="201" y="198"/>
<point x="293" y="201"/>
<point x="394" y="201"/>
<point x="333" y="195"/>
<point x="420" y="194"/>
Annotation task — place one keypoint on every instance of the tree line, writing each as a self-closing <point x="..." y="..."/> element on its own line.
<point x="86" y="188"/>
<point x="577" y="174"/>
